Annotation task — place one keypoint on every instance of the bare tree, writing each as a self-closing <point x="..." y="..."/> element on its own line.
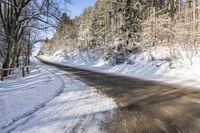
<point x="18" y="16"/>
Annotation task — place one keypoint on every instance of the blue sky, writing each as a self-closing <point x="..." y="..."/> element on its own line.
<point x="77" y="6"/>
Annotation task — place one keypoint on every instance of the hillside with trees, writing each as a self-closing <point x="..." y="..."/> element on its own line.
<point x="132" y="26"/>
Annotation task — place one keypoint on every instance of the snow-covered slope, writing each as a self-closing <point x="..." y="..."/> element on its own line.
<point x="177" y="71"/>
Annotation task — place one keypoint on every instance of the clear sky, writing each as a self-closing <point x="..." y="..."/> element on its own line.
<point x="77" y="6"/>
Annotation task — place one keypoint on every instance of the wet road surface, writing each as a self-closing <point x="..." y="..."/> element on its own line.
<point x="144" y="106"/>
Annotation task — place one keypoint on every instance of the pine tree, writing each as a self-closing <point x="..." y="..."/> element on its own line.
<point x="132" y="18"/>
<point x="64" y="24"/>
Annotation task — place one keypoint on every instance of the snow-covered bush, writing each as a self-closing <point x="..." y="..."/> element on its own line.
<point x="120" y="53"/>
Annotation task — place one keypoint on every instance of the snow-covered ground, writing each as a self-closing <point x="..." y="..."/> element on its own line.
<point x="22" y="96"/>
<point x="180" y="71"/>
<point x="49" y="100"/>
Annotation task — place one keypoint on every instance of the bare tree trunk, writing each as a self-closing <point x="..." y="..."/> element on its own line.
<point x="28" y="54"/>
<point x="8" y="60"/>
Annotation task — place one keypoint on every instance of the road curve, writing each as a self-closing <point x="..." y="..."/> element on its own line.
<point x="144" y="106"/>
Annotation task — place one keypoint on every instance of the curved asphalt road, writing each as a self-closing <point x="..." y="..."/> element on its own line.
<point x="144" y="106"/>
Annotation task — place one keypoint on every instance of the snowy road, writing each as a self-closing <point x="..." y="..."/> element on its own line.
<point x="144" y="106"/>
<point x="94" y="102"/>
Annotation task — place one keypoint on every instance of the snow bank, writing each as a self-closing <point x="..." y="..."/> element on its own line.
<point x="178" y="70"/>
<point x="22" y="96"/>
<point x="79" y="57"/>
